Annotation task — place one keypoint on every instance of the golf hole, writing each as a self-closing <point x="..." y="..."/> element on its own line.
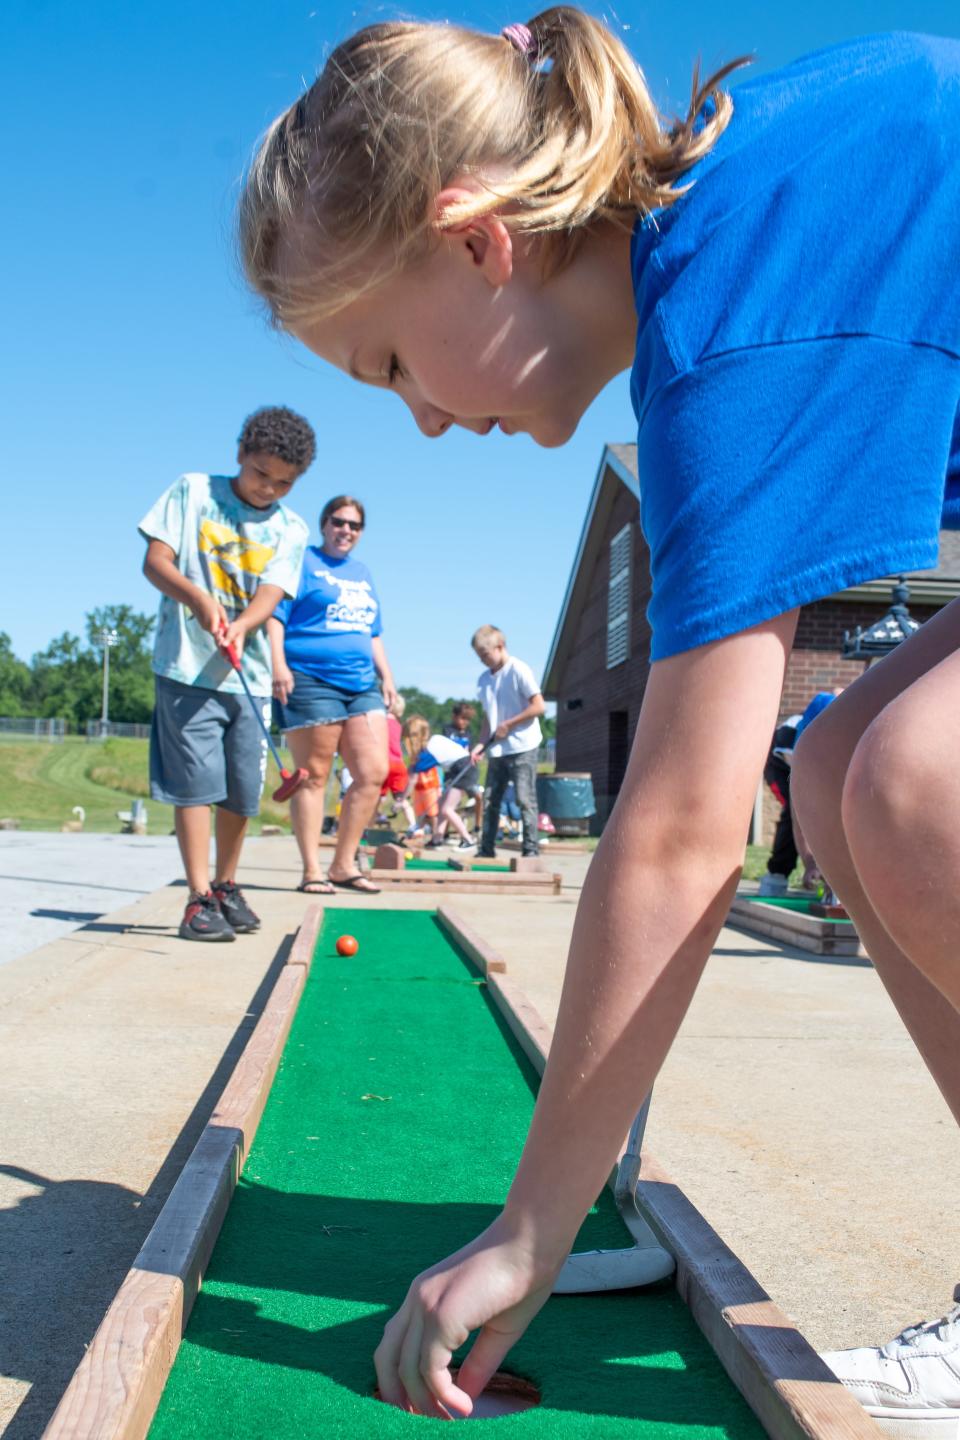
<point x="504" y="1395"/>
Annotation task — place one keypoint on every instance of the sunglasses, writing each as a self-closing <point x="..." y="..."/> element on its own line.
<point x="355" y="525"/>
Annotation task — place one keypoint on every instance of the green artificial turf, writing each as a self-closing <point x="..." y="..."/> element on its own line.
<point x="389" y="1139"/>
<point x="793" y="902"/>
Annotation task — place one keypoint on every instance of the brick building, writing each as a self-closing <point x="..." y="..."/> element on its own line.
<point x="600" y="656"/>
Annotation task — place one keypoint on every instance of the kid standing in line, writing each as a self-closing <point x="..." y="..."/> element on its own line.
<point x="784" y="288"/>
<point x="224" y="552"/>
<point x="512" y="706"/>
<point x="397" y="779"/>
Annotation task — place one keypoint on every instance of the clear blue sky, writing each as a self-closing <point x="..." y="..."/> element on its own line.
<point x="132" y="353"/>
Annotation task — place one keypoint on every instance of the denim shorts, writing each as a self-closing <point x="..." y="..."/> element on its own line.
<point x="316" y="702"/>
<point x="206" y="748"/>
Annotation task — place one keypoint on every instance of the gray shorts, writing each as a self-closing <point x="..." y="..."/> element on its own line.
<point x="206" y="748"/>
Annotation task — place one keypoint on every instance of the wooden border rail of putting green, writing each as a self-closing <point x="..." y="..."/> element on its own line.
<point x="815" y="933"/>
<point x="786" y="1384"/>
<point x="468" y="882"/>
<point x="116" y="1387"/>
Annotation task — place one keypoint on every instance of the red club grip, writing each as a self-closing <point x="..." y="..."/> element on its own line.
<point x="231" y="654"/>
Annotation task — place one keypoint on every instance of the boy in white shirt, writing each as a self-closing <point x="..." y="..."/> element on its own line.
<point x="512" y="704"/>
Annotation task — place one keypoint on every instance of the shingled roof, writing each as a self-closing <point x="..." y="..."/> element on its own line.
<point x="618" y="466"/>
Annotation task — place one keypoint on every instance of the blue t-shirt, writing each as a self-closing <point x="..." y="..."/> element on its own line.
<point x="797" y="372"/>
<point x="331" y="622"/>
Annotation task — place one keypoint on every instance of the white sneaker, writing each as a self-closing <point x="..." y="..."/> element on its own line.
<point x="467" y="845"/>
<point x="911" y="1386"/>
<point x="773" y="885"/>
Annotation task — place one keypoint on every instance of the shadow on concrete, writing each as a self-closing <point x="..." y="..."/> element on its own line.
<point x="773" y="951"/>
<point x="73" y="884"/>
<point x="79" y="916"/>
<point x="67" y="1248"/>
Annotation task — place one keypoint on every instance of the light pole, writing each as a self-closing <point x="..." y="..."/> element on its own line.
<point x="107" y="638"/>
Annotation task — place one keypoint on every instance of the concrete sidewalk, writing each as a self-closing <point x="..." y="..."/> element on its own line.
<point x="52" y="883"/>
<point x="792" y="1110"/>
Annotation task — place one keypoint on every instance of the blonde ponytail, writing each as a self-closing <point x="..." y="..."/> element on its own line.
<point x="341" y="193"/>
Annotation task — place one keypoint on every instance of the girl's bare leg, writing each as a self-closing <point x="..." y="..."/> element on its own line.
<point x="363" y="745"/>
<point x="313" y="749"/>
<point x="877" y="785"/>
<point x="449" y="814"/>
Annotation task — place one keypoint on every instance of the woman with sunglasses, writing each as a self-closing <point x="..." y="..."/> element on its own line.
<point x="327" y="657"/>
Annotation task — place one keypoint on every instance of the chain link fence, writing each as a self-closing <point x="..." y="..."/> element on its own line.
<point x="31" y="727"/>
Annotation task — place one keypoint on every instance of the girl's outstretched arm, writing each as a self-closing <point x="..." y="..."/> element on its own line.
<point x="656" y="895"/>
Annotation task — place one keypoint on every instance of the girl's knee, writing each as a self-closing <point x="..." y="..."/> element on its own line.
<point x="890" y="788"/>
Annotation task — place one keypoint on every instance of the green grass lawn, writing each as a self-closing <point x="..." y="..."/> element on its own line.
<point x="41" y="782"/>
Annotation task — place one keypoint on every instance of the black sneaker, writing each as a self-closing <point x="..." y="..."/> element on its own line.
<point x="235" y="909"/>
<point x="486" y="854"/>
<point x="204" y="920"/>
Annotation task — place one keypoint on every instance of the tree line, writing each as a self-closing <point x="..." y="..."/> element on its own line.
<point x="65" y="681"/>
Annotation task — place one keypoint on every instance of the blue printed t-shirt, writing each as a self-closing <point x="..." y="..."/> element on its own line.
<point x="227" y="548"/>
<point x="330" y="623"/>
<point x="797" y="371"/>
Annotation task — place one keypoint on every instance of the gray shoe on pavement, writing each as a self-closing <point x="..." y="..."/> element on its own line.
<point x="911" y="1385"/>
<point x="236" y="911"/>
<point x="204" y="920"/>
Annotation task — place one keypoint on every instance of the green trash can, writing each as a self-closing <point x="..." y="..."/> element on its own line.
<point x="568" y="799"/>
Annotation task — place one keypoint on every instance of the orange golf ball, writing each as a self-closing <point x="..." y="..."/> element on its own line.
<point x="347" y="945"/>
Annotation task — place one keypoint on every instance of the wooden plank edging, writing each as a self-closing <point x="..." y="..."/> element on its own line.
<point x="305" y="941"/>
<point x="483" y="955"/>
<point x="116" y="1388"/>
<point x="786" y="1384"/>
<point x="464" y="882"/>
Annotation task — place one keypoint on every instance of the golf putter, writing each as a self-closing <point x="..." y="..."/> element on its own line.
<point x="643" y="1263"/>
<point x="290" y="780"/>
<point x="461" y="767"/>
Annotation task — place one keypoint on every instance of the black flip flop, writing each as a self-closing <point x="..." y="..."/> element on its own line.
<point x="352" y="883"/>
<point x="306" y="887"/>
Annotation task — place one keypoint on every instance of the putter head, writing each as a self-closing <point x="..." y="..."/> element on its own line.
<point x="290" y="782"/>
<point x="588" y="1272"/>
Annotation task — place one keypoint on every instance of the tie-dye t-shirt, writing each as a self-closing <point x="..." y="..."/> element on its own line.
<point x="227" y="548"/>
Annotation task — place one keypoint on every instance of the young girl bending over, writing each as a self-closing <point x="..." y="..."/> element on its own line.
<point x="424" y="786"/>
<point x="777" y="269"/>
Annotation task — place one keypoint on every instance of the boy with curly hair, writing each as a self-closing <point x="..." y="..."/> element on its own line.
<point x="223" y="551"/>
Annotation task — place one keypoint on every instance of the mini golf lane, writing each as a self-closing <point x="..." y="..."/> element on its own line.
<point x="486" y="866"/>
<point x="797" y="904"/>
<point x="389" y="1138"/>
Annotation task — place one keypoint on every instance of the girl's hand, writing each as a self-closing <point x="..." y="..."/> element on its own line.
<point x="283" y="683"/>
<point x="491" y="1285"/>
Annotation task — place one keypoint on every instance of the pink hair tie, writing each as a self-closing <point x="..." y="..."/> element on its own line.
<point x="521" y="38"/>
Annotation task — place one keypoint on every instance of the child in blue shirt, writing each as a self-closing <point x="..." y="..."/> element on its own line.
<point x="778" y="271"/>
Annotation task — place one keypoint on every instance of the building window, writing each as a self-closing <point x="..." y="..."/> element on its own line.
<point x="618" y="600"/>
<point x="618" y="751"/>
